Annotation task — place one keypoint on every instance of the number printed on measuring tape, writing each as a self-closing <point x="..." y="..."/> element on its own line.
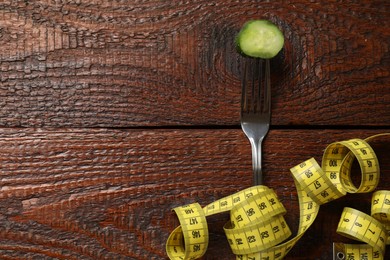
<point x="314" y="182"/>
<point x="257" y="229"/>
<point x="362" y="227"/>
<point x="339" y="156"/>
<point x="380" y="206"/>
<point x="193" y="231"/>
<point x="380" y="209"/>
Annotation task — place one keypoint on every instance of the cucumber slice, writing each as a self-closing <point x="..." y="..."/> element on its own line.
<point x="260" y="39"/>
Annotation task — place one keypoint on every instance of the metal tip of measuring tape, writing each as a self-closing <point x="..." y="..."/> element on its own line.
<point x="338" y="251"/>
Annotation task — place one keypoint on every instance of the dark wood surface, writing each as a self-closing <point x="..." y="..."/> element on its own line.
<point x="107" y="194"/>
<point x="114" y="112"/>
<point x="119" y="64"/>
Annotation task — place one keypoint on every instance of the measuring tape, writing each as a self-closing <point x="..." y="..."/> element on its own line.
<point x="373" y="230"/>
<point x="257" y="229"/>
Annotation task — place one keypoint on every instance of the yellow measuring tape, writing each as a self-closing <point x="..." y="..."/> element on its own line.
<point x="257" y="229"/>
<point x="374" y="230"/>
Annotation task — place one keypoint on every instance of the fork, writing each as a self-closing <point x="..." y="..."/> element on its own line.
<point x="256" y="109"/>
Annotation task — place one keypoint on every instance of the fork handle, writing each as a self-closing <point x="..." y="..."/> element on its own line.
<point x="256" y="161"/>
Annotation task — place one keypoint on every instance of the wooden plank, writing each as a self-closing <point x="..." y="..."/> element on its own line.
<point x="116" y="64"/>
<point x="107" y="194"/>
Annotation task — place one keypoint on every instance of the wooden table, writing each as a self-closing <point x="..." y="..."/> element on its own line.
<point x="114" y="112"/>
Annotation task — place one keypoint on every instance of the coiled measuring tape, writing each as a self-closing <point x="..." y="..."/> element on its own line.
<point x="257" y="229"/>
<point x="373" y="230"/>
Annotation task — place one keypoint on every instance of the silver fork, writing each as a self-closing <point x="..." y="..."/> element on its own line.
<point x="256" y="109"/>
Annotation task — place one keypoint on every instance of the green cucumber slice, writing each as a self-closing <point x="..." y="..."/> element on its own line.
<point x="260" y="39"/>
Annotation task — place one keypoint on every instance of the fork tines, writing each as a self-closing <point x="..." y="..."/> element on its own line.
<point x="255" y="86"/>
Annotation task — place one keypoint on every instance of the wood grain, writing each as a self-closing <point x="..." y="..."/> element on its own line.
<point x="114" y="112"/>
<point x="108" y="194"/>
<point x="152" y="63"/>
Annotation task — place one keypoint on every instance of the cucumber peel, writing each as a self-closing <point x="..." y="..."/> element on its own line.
<point x="260" y="39"/>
